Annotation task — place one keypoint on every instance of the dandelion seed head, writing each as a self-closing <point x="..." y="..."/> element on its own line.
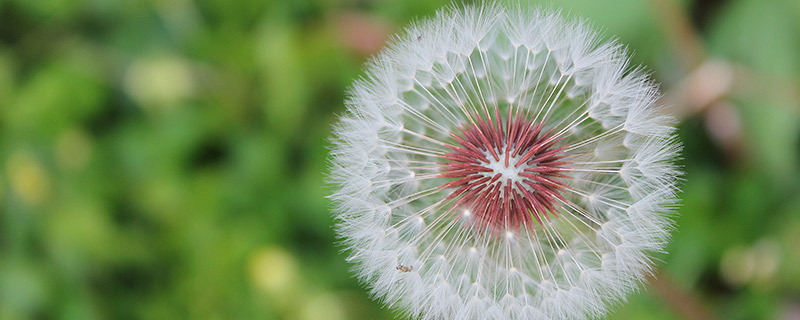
<point x="502" y="163"/>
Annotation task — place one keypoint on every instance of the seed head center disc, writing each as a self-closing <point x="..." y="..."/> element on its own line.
<point x="507" y="173"/>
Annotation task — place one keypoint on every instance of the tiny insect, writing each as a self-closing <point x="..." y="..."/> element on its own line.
<point x="403" y="268"/>
<point x="419" y="38"/>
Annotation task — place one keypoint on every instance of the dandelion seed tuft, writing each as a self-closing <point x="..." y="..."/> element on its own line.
<point x="502" y="163"/>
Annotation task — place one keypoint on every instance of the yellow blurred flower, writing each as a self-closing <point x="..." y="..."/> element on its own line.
<point x="272" y="270"/>
<point x="27" y="178"/>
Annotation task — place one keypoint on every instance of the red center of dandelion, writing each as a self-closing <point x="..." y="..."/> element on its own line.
<point x="507" y="173"/>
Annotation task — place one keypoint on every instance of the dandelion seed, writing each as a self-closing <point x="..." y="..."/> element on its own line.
<point x="515" y="161"/>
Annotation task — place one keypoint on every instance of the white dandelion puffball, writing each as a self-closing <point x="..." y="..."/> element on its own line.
<point x="502" y="163"/>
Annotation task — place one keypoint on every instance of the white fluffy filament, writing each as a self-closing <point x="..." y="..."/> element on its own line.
<point x="418" y="253"/>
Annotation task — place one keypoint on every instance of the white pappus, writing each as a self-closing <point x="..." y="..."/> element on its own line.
<point x="502" y="163"/>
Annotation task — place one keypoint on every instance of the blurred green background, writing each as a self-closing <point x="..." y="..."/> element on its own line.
<point x="165" y="159"/>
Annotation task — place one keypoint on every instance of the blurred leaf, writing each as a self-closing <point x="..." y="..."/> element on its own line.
<point x="761" y="34"/>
